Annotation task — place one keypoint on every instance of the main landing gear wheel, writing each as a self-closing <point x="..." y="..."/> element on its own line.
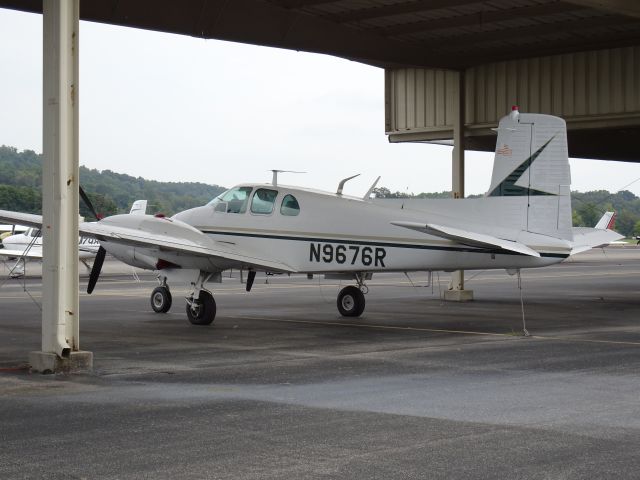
<point x="351" y="302"/>
<point x="161" y="299"/>
<point x="202" y="311"/>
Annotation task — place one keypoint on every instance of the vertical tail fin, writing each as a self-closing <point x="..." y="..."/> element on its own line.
<point x="139" y="207"/>
<point x="532" y="161"/>
<point x="607" y="221"/>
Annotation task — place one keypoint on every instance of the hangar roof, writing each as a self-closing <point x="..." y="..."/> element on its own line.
<point x="387" y="33"/>
<point x="453" y="34"/>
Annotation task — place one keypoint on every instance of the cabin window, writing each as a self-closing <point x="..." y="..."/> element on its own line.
<point x="289" y="206"/>
<point x="232" y="201"/>
<point x="263" y="201"/>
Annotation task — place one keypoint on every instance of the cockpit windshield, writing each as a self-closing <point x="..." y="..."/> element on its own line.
<point x="33" y="232"/>
<point x="236" y="200"/>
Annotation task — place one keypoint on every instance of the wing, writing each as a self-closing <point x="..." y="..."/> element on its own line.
<point x="471" y="239"/>
<point x="585" y="238"/>
<point x="168" y="235"/>
<point x="17" y="218"/>
<point x="162" y="233"/>
<point x="32" y="254"/>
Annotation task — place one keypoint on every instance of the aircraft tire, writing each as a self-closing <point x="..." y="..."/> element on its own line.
<point x="204" y="311"/>
<point x="161" y="299"/>
<point x="351" y="302"/>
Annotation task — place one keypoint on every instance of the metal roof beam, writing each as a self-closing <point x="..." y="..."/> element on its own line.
<point x="629" y="8"/>
<point x="298" y="4"/>
<point x="551" y="47"/>
<point x="480" y="18"/>
<point x="395" y="9"/>
<point x="572" y="26"/>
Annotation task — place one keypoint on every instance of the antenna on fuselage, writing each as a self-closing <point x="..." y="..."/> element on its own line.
<point x="370" y="191"/>
<point x="274" y="178"/>
<point x="343" y="181"/>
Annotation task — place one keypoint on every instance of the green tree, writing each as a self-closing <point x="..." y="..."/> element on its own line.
<point x="625" y="223"/>
<point x="589" y="214"/>
<point x="577" y="219"/>
<point x="110" y="192"/>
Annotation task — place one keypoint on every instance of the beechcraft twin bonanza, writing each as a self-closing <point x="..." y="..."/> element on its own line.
<point x="523" y="221"/>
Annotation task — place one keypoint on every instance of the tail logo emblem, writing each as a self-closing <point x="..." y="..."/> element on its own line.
<point x="505" y="150"/>
<point x="508" y="187"/>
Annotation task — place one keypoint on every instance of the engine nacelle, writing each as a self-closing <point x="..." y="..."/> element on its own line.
<point x="134" y="256"/>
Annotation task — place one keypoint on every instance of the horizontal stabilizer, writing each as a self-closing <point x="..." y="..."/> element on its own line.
<point x="585" y="238"/>
<point x="472" y="239"/>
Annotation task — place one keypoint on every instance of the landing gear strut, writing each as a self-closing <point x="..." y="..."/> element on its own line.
<point x="351" y="301"/>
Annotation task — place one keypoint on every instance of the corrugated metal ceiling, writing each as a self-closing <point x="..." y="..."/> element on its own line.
<point x="480" y="31"/>
<point x="388" y="33"/>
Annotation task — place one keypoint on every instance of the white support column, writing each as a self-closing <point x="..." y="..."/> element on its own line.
<point x="60" y="184"/>
<point x="456" y="291"/>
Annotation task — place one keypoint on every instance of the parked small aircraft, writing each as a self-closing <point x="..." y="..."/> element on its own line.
<point x="523" y="221"/>
<point x="27" y="245"/>
<point x="8" y="230"/>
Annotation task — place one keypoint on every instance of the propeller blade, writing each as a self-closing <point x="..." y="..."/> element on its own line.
<point x="88" y="203"/>
<point x="250" y="279"/>
<point x="95" y="270"/>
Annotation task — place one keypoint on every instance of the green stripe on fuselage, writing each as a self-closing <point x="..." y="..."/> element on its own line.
<point x="496" y="251"/>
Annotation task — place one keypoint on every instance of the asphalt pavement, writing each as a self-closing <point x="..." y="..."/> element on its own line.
<point x="282" y="387"/>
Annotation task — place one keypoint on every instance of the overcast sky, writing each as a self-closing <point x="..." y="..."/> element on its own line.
<point x="176" y="108"/>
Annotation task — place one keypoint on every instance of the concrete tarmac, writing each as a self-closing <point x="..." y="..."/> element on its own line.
<point x="282" y="387"/>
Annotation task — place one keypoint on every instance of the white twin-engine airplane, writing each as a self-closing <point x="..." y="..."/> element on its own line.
<point x="523" y="221"/>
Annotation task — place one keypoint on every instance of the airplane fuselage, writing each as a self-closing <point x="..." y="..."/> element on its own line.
<point x="334" y="233"/>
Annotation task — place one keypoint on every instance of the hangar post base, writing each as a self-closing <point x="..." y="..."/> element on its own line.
<point x="458" y="295"/>
<point x="456" y="291"/>
<point x="45" y="362"/>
